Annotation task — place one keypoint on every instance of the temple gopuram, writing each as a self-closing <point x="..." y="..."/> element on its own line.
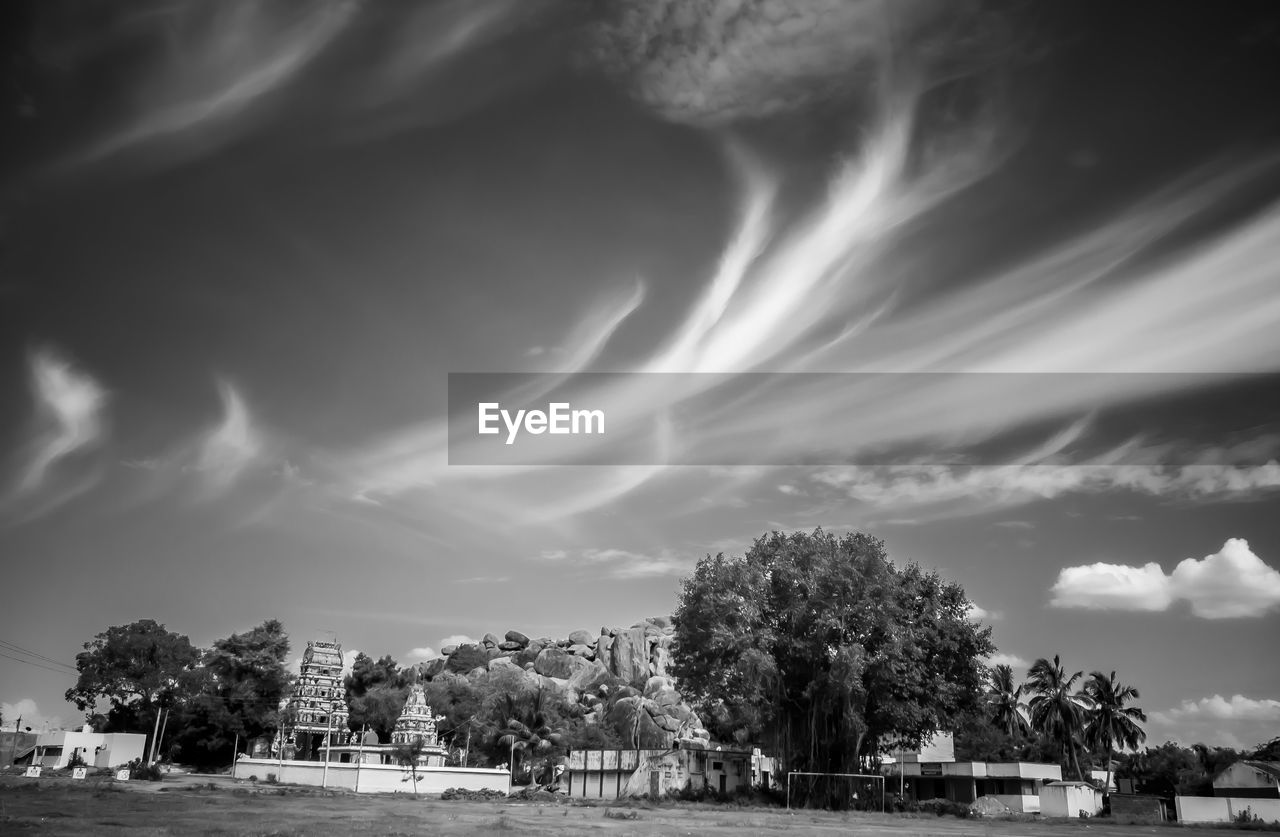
<point x="316" y="714"/>
<point x="317" y="709"/>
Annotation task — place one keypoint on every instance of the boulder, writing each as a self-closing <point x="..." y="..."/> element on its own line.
<point x="526" y="656"/>
<point x="556" y="662"/>
<point x="590" y="677"/>
<point x="448" y="650"/>
<point x="581" y="638"/>
<point x="603" y="644"/>
<point x="516" y="636"/>
<point x="654" y="685"/>
<point x="490" y="640"/>
<point x="660" y="621"/>
<point x="509" y="646"/>
<point x="503" y="663"/>
<point x="579" y="650"/>
<point x="628" y="657"/>
<point x="432" y="668"/>
<point x="659" y="659"/>
<point x="466" y="658"/>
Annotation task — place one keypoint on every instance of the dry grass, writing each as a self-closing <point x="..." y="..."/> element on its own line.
<point x="190" y="807"/>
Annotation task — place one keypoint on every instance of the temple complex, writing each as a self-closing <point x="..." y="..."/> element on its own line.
<point x="316" y="712"/>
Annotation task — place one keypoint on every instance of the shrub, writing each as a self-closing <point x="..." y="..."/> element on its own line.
<point x="138" y="769"/>
<point x="76" y="760"/>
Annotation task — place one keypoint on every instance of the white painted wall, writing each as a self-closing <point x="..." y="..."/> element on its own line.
<point x="374" y="778"/>
<point x="1225" y="808"/>
<point x="1022" y="803"/>
<point x="1068" y="800"/>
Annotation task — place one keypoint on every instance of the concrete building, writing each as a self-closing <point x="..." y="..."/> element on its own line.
<point x="98" y="749"/>
<point x="933" y="773"/>
<point x="614" y="774"/>
<point x="1070" y="799"/>
<point x="1248" y="779"/>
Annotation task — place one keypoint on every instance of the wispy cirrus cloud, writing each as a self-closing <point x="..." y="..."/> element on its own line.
<point x="624" y="563"/>
<point x="231" y="446"/>
<point x="69" y="406"/>
<point x="1229" y="584"/>
<point x="1013" y="661"/>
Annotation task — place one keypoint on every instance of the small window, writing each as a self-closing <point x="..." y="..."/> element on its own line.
<point x="717" y="765"/>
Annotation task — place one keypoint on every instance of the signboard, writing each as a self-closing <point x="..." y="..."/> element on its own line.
<point x="610" y="760"/>
<point x="79" y="772"/>
<point x="593" y="759"/>
<point x="33" y="772"/>
<point x="931" y="769"/>
<point x="122" y="775"/>
<point x="578" y="760"/>
<point x="628" y="760"/>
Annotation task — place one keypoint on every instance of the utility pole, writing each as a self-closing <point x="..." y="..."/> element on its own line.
<point x="466" y="752"/>
<point x="324" y="774"/>
<point x="13" y="752"/>
<point x="154" y="735"/>
<point x="164" y="726"/>
<point x="235" y="748"/>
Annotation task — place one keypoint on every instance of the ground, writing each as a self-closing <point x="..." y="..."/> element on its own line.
<point x="193" y="805"/>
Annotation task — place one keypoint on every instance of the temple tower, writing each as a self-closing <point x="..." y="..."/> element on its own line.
<point x="318" y="706"/>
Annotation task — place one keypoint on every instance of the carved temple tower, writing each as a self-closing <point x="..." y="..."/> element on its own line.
<point x="318" y="706"/>
<point x="417" y="722"/>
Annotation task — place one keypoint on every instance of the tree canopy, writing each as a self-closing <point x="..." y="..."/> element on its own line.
<point x="824" y="650"/>
<point x="376" y="692"/>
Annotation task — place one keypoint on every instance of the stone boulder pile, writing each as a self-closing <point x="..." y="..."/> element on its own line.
<point x="619" y="676"/>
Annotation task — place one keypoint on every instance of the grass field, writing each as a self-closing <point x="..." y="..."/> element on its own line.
<point x="194" y="806"/>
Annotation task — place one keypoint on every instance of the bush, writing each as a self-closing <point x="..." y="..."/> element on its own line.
<point x="76" y="760"/>
<point x="138" y="769"/>
<point x="939" y="807"/>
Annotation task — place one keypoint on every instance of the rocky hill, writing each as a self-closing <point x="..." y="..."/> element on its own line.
<point x="619" y="676"/>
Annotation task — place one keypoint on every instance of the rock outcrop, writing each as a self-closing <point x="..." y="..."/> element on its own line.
<point x="620" y="676"/>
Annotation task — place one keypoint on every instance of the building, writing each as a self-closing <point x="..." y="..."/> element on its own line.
<point x="98" y="749"/>
<point x="933" y="773"/>
<point x="316" y="712"/>
<point x="614" y="774"/>
<point x="1248" y="779"/>
<point x="1070" y="799"/>
<point x="416" y="723"/>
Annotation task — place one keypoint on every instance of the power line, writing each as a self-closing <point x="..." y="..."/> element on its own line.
<point x="19" y="649"/>
<point x="37" y="665"/>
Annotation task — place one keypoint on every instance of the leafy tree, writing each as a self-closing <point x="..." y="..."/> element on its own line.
<point x="1056" y="711"/>
<point x="1111" y="723"/>
<point x="1267" y="751"/>
<point x="241" y="685"/>
<point x="824" y="649"/>
<point x="376" y="692"/>
<point x="407" y="755"/>
<point x="138" y="668"/>
<point x="1004" y="702"/>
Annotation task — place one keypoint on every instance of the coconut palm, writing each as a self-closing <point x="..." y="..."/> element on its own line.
<point x="1004" y="702"/>
<point x="1111" y="723"/>
<point x="1056" y="711"/>
<point x="527" y="728"/>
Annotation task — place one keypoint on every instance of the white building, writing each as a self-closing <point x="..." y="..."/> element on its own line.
<point x="98" y="749"/>
<point x="932" y="772"/>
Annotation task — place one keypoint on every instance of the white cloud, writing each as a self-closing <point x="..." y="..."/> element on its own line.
<point x="1238" y="721"/>
<point x="1232" y="582"/>
<point x="624" y="563"/>
<point x="1113" y="587"/>
<point x="1018" y="664"/>
<point x="789" y="490"/>
<point x="70" y="404"/>
<point x="421" y="654"/>
<point x="981" y="614"/>
<point x="31" y="716"/>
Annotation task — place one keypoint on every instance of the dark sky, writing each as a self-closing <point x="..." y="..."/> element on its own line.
<point x="245" y="244"/>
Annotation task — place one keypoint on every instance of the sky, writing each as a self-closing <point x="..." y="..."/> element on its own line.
<point x="996" y="281"/>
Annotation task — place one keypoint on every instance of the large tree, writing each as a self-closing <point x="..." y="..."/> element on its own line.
<point x="138" y="668"/>
<point x="1057" y="710"/>
<point x="823" y="649"/>
<point x="244" y="680"/>
<point x="376" y="691"/>
<point x="1112" y="722"/>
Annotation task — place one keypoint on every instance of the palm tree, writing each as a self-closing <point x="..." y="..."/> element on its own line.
<point x="1057" y="711"/>
<point x="1004" y="702"/>
<point x="528" y="728"/>
<point x="1111" y="722"/>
